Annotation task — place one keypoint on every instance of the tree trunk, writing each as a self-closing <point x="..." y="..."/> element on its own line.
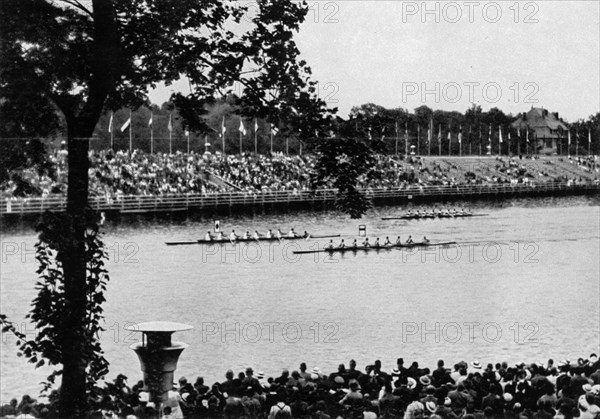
<point x="80" y="127"/>
<point x="73" y="401"/>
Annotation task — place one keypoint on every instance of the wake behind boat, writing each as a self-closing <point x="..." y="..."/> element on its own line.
<point x="372" y="248"/>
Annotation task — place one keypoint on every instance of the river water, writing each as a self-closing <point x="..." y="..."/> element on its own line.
<point x="524" y="287"/>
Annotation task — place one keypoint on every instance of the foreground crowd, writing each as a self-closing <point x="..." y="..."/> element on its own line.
<point x="117" y="174"/>
<point x="467" y="391"/>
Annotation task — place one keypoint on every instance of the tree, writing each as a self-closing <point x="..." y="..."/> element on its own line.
<point x="341" y="163"/>
<point x="83" y="58"/>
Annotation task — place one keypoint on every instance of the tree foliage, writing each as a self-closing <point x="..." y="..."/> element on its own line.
<point x="342" y="163"/>
<point x="50" y="308"/>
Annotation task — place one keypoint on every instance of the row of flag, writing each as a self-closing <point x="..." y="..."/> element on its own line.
<point x="241" y="129"/>
<point x="274" y="130"/>
<point x="460" y="133"/>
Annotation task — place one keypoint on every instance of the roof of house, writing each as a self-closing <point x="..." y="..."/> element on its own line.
<point x="539" y="118"/>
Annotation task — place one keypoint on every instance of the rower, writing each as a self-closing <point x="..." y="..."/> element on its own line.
<point x="387" y="241"/>
<point x="409" y="240"/>
<point x="246" y="235"/>
<point x="425" y="239"/>
<point x="366" y="243"/>
<point x="376" y="244"/>
<point x="256" y="236"/>
<point x="354" y="244"/>
<point x="292" y="233"/>
<point x="233" y="237"/>
<point x="279" y="234"/>
<point x="398" y="241"/>
<point x="330" y="245"/>
<point x="208" y="237"/>
<point x="220" y="235"/>
<point x="269" y="234"/>
<point x="306" y="235"/>
<point x="342" y="244"/>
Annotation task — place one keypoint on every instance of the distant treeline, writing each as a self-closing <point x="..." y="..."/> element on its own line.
<point x="394" y="126"/>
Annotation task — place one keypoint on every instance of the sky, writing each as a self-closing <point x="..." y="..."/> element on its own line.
<point x="448" y="55"/>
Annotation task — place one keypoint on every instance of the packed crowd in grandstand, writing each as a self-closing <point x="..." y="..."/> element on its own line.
<point x="115" y="174"/>
<point x="544" y="390"/>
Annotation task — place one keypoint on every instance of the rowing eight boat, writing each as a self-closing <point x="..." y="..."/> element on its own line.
<point x="260" y="239"/>
<point x="429" y="216"/>
<point x="367" y="249"/>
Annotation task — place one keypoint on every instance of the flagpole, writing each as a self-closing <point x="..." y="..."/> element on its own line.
<point x="151" y="134"/>
<point x="206" y="143"/>
<point x="397" y="138"/>
<point x="450" y="140"/>
<point x="171" y="134"/>
<point x="480" y="140"/>
<point x="418" y="139"/>
<point x="130" y="134"/>
<point x="589" y="142"/>
<point x="430" y="137"/>
<point x="287" y="146"/>
<point x="255" y="137"/>
<point x="440" y="141"/>
<point x="240" y="143"/>
<point x="188" y="141"/>
<point x="470" y="142"/>
<point x="499" y="141"/>
<point x="271" y="140"/>
<point x="112" y="146"/>
<point x="406" y="138"/>
<point x="577" y="143"/>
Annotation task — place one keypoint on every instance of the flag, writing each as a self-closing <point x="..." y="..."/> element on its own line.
<point x="490" y="134"/>
<point x="223" y="129"/>
<point x="255" y="125"/>
<point x="396" y="128"/>
<point x="170" y="125"/>
<point x="126" y="124"/>
<point x="449" y="133"/>
<point x="274" y="130"/>
<point x="316" y="133"/>
<point x="370" y="138"/>
<point x="187" y="133"/>
<point x="150" y="120"/>
<point x="589" y="136"/>
<point x="519" y="132"/>
<point x="110" y="123"/>
<point x="569" y="137"/>
<point x="509" y="135"/>
<point x="242" y="128"/>
<point x="500" y="134"/>
<point x="440" y="134"/>
<point x="460" y="135"/>
<point x="527" y="136"/>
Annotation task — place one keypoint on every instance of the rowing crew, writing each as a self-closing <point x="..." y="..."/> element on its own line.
<point x="255" y="236"/>
<point x="438" y="213"/>
<point x="376" y="244"/>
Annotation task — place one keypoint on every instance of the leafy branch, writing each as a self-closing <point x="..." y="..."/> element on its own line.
<point x="50" y="307"/>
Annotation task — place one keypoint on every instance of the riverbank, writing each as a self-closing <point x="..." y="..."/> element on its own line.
<point x="323" y="199"/>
